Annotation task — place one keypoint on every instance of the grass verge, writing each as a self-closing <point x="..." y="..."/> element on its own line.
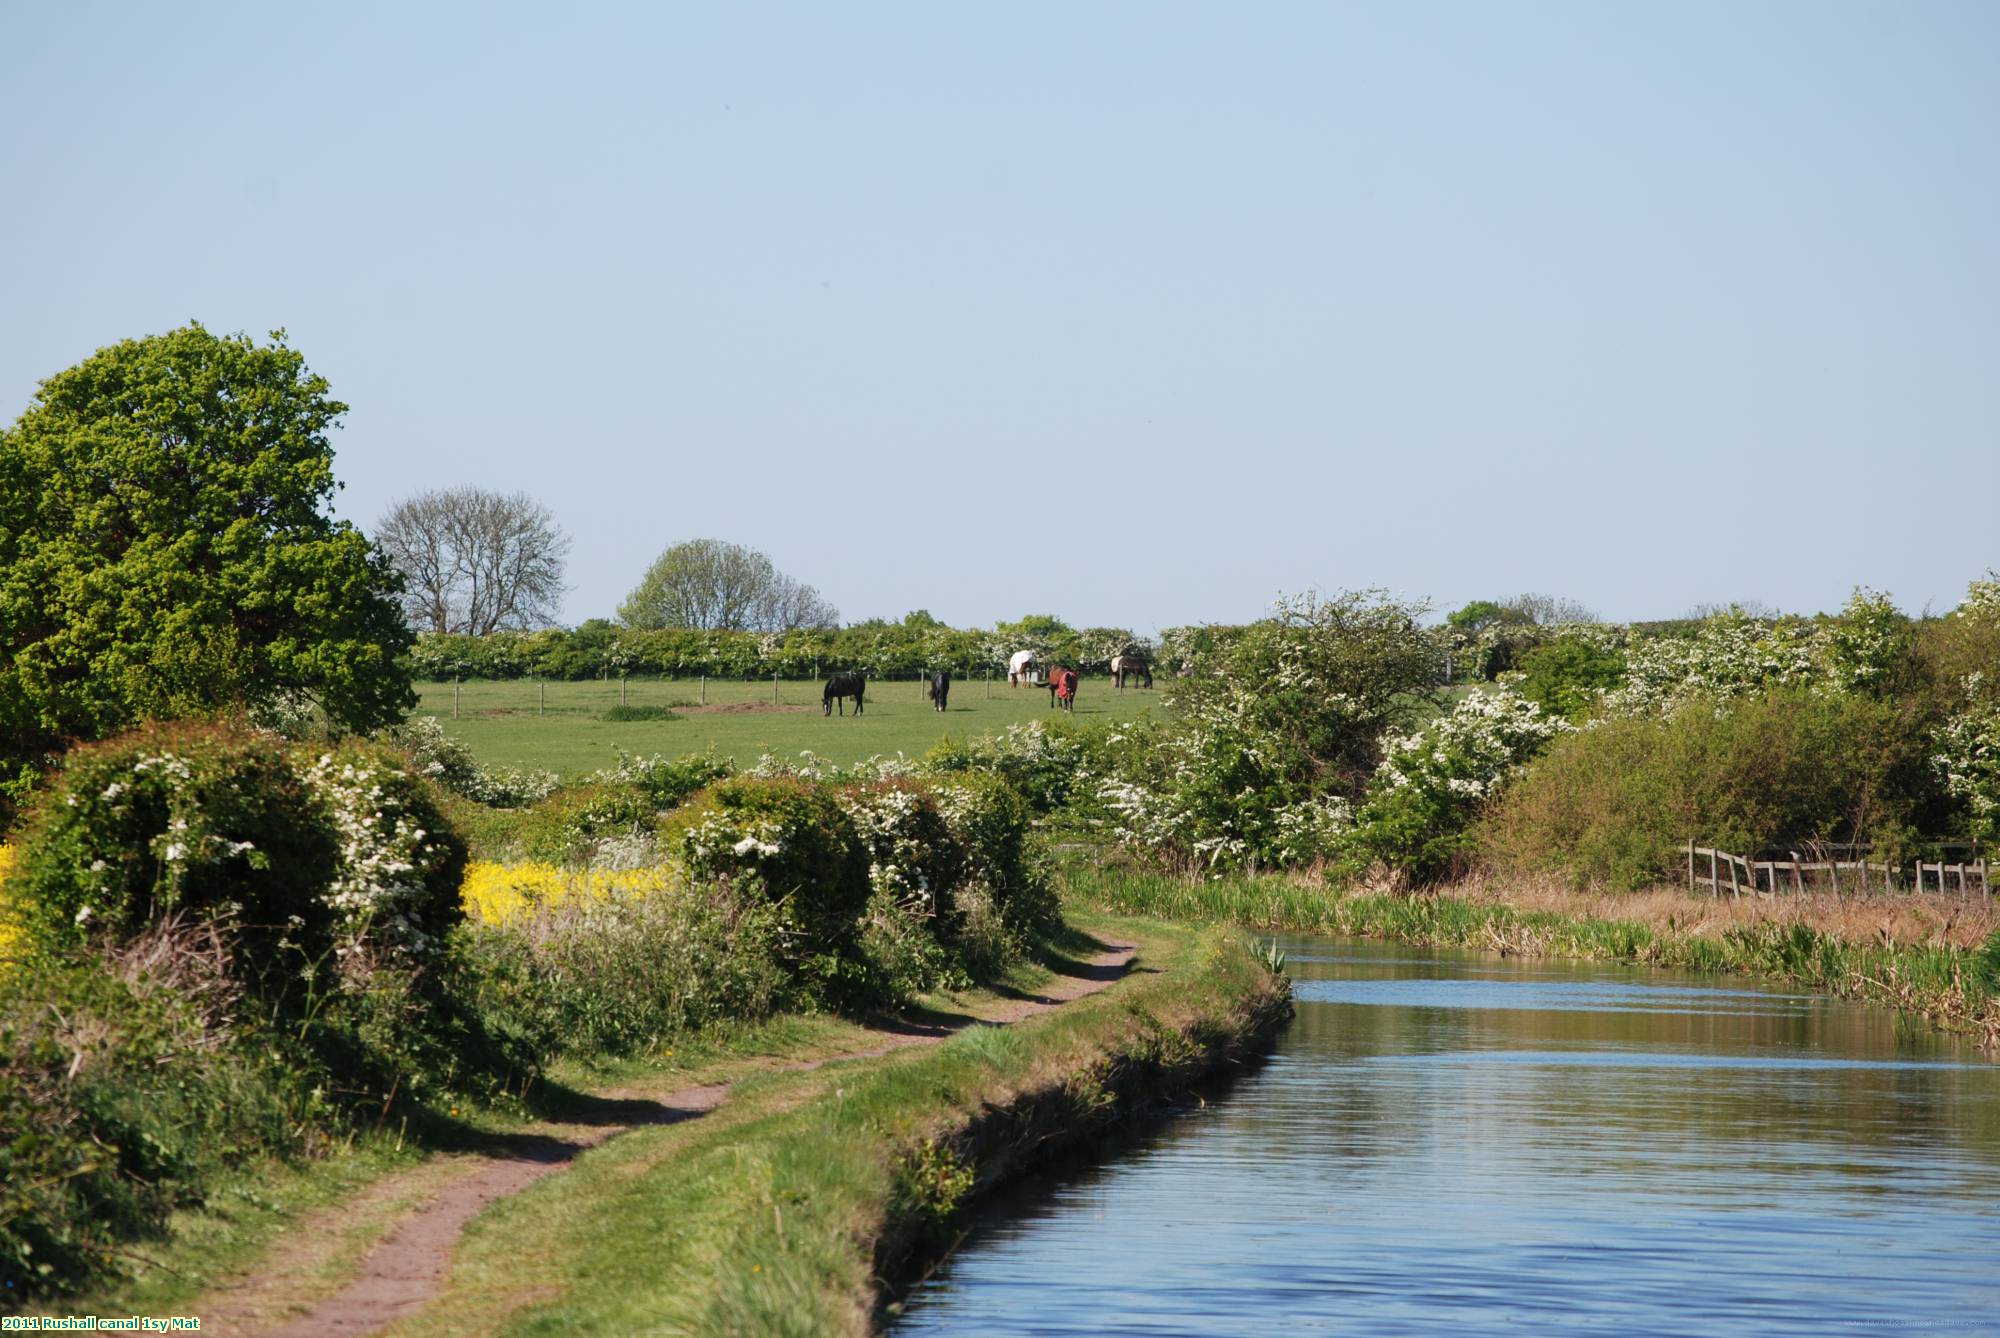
<point x="273" y="1237"/>
<point x="1955" y="987"/>
<point x="784" y="1211"/>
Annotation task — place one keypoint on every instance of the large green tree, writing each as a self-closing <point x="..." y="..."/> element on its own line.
<point x="166" y="549"/>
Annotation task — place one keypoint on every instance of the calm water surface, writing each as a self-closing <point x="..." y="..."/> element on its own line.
<point x="1450" y="1143"/>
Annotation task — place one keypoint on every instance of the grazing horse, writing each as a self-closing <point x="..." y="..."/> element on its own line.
<point x="1124" y="666"/>
<point x="1062" y="687"/>
<point x="940" y="688"/>
<point x="1020" y="668"/>
<point x="839" y="686"/>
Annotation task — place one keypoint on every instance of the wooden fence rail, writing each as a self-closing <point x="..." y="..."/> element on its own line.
<point x="1770" y="877"/>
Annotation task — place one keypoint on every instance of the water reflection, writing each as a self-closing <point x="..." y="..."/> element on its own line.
<point x="1446" y="1142"/>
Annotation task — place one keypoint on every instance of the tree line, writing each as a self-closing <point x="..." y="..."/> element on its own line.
<point x="915" y="645"/>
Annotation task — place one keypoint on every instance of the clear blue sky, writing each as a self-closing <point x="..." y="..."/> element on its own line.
<point x="1138" y="314"/>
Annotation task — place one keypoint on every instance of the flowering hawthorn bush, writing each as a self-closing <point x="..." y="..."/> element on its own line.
<point x="437" y="756"/>
<point x="599" y="822"/>
<point x="913" y="859"/>
<point x="792" y="842"/>
<point x="199" y="819"/>
<point x="398" y="867"/>
<point x="1274" y="732"/>
<point x="1967" y="760"/>
<point x="311" y="858"/>
<point x="1046" y="761"/>
<point x="1730" y="655"/>
<point x="1004" y="880"/>
<point x="1433" y="780"/>
<point x="812" y="767"/>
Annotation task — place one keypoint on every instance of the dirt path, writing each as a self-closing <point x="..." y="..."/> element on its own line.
<point x="406" y="1269"/>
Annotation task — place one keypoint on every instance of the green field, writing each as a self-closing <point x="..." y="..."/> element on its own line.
<point x="559" y="726"/>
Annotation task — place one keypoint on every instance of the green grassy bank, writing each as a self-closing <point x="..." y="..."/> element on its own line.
<point x="781" y="1212"/>
<point x="1956" y="989"/>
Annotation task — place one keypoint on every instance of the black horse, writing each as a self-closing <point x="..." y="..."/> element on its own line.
<point x="842" y="685"/>
<point x="940" y="688"/>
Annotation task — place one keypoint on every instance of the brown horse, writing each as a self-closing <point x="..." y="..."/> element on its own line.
<point x="1062" y="687"/>
<point x="1130" y="666"/>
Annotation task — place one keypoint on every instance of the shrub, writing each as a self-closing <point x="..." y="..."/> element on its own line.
<point x="639" y="713"/>
<point x="206" y="820"/>
<point x="669" y="784"/>
<point x="394" y="890"/>
<point x="1274" y="731"/>
<point x="993" y="824"/>
<point x="1966" y="759"/>
<point x="913" y="857"/>
<point x="1045" y="760"/>
<point x="618" y="969"/>
<point x="1433" y="780"/>
<point x="437" y="756"/>
<point x="1566" y="677"/>
<point x="331" y="873"/>
<point x="790" y="841"/>
<point x="903" y="945"/>
<point x="122" y="1089"/>
<point x="588" y="822"/>
<point x="1618" y="802"/>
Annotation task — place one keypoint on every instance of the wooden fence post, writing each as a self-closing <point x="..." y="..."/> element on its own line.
<point x="701" y="691"/>
<point x="454" y="699"/>
<point x="1690" y="864"/>
<point x="541" y="696"/>
<point x="1735" y="892"/>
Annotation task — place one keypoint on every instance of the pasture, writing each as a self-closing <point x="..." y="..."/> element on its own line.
<point x="560" y="726"/>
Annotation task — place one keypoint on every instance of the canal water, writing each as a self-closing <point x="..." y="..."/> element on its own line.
<point x="1453" y="1143"/>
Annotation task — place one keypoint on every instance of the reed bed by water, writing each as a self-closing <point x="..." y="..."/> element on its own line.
<point x="1849" y="952"/>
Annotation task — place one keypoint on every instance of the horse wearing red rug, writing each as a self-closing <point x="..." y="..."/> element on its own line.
<point x="1062" y="687"/>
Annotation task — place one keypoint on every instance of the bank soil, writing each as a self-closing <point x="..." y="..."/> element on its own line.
<point x="434" y="1202"/>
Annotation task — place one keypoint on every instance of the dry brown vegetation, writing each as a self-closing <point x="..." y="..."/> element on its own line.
<point x="1911" y="919"/>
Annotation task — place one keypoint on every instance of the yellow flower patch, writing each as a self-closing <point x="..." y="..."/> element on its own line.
<point x="501" y="894"/>
<point x="8" y="933"/>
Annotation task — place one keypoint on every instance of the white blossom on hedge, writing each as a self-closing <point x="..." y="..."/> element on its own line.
<point x="1967" y="759"/>
<point x="1468" y="752"/>
<point x="377" y="891"/>
<point x="1730" y="655"/>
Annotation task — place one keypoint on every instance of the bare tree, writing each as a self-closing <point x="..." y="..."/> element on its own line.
<point x="1543" y="610"/>
<point x="707" y="583"/>
<point x="1747" y="608"/>
<point x="476" y="561"/>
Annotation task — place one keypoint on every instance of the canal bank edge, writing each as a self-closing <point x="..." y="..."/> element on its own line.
<point x="1954" y="989"/>
<point x="1216" y="1005"/>
<point x="804" y="1203"/>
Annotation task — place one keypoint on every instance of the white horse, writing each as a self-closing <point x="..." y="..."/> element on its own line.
<point x="1130" y="666"/>
<point x="1021" y="668"/>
